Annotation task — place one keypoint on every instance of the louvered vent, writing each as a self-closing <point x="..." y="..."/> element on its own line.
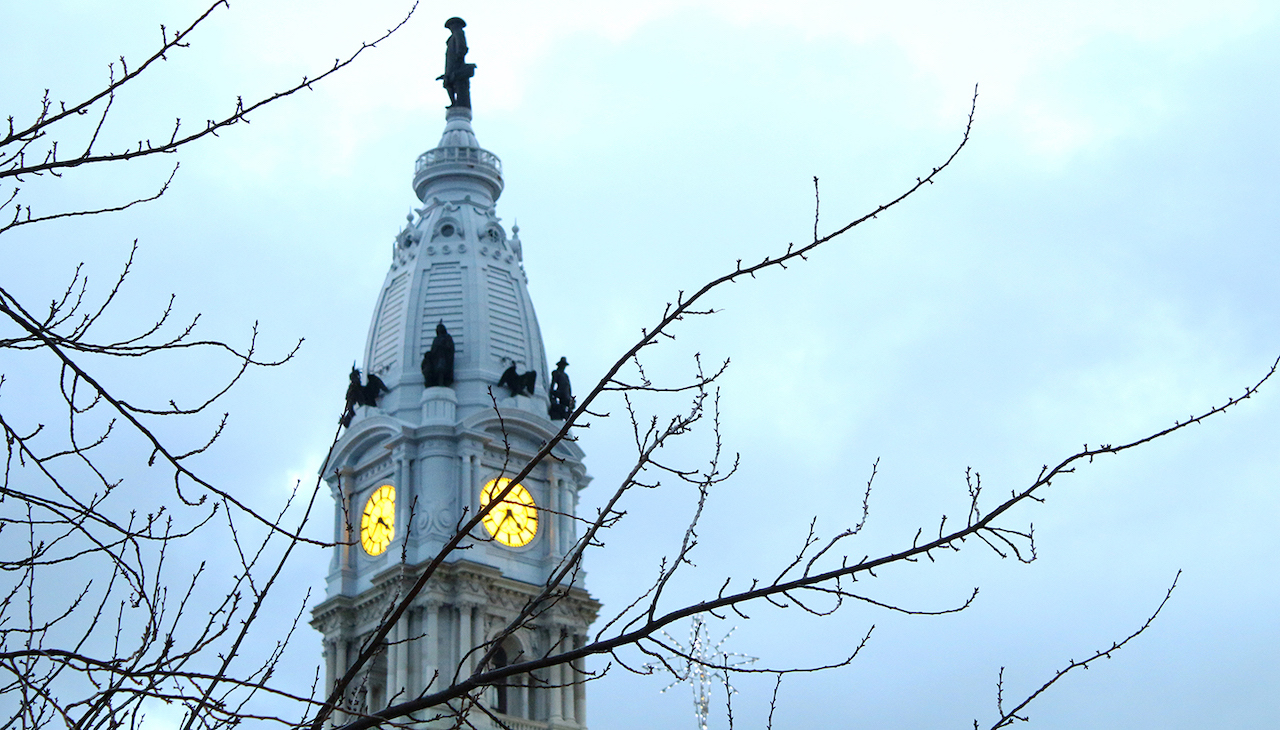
<point x="391" y="317"/>
<point x="443" y="301"/>
<point x="506" y="329"/>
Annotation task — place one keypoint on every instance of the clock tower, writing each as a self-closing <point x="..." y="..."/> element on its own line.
<point x="457" y="400"/>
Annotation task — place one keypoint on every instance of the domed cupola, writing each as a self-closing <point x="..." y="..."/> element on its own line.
<point x="458" y="163"/>
<point x="454" y="264"/>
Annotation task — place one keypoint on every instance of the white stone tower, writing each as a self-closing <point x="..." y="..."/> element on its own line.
<point x="408" y="469"/>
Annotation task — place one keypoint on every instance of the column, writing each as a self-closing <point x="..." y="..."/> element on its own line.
<point x="466" y="483"/>
<point x="431" y="657"/>
<point x="472" y="497"/>
<point x="477" y="635"/>
<point x="566" y="519"/>
<point x="567" y="691"/>
<point x="464" y="639"/>
<point x="557" y="521"/>
<point x="525" y="706"/>
<point x="397" y="664"/>
<point x="346" y="486"/>
<point x="404" y="495"/>
<point x="579" y="685"/>
<point x="571" y="498"/>
<point x="555" y="696"/>
<point x="412" y="628"/>
<point x="330" y="665"/>
<point x="393" y="649"/>
<point x="343" y="662"/>
<point x="552" y="521"/>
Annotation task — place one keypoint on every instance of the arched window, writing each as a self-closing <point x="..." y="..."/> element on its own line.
<point x="514" y="695"/>
<point x="500" y="660"/>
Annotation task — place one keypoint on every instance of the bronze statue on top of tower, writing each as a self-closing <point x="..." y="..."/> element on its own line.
<point x="457" y="72"/>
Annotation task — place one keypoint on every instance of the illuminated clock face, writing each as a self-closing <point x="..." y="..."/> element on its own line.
<point x="514" y="521"/>
<point x="378" y="524"/>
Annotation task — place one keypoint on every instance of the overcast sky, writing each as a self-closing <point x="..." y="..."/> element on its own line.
<point x="1098" y="262"/>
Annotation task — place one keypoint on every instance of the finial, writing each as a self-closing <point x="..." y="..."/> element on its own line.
<point x="457" y="72"/>
<point x="516" y="246"/>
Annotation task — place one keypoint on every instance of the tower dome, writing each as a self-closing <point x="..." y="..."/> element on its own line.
<point x="453" y="264"/>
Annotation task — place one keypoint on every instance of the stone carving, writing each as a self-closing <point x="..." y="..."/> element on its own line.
<point x="372" y="609"/>
<point x="408" y="235"/>
<point x="361" y="395"/>
<point x="437" y="363"/>
<point x="561" y="393"/>
<point x="380" y="469"/>
<point x="519" y="384"/>
<point x="441" y="520"/>
<point x="404" y="249"/>
<point x="337" y="618"/>
<point x="447" y="228"/>
<point x="515" y="242"/>
<point x="457" y="72"/>
<point x="355" y="393"/>
<point x="373" y="390"/>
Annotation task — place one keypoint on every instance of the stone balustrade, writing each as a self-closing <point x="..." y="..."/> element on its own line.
<point x="466" y="155"/>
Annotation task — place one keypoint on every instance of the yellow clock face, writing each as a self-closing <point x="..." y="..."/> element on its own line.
<point x="514" y="521"/>
<point x="378" y="523"/>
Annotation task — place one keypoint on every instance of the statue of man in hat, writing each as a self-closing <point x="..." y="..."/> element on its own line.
<point x="457" y="72"/>
<point x="561" y="393"/>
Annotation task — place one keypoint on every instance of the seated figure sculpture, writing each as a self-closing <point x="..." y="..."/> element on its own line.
<point x="437" y="363"/>
<point x="373" y="390"/>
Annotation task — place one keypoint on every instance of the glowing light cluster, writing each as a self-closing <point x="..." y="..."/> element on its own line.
<point x="707" y="665"/>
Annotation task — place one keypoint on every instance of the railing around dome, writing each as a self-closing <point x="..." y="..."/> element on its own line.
<point x="466" y="155"/>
